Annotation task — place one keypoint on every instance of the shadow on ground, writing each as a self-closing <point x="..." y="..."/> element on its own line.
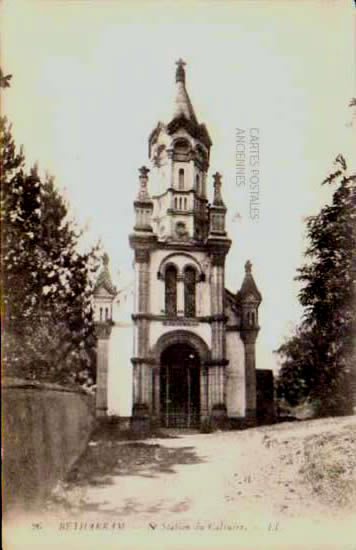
<point x="105" y="461"/>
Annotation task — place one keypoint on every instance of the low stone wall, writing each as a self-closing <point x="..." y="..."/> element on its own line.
<point x="46" y="427"/>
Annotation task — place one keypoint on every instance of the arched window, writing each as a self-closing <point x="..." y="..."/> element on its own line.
<point x="180" y="203"/>
<point x="189" y="292"/>
<point x="197" y="184"/>
<point x="176" y="202"/>
<point x="106" y="313"/>
<point x="185" y="203"/>
<point x="171" y="290"/>
<point x="181" y="178"/>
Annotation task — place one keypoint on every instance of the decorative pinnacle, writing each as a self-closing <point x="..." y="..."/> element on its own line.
<point x="143" y="177"/>
<point x="248" y="267"/>
<point x="218" y="201"/>
<point x="180" y="72"/>
<point x="143" y="171"/>
<point x="105" y="259"/>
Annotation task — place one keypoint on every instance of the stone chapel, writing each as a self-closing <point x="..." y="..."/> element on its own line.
<point x="176" y="347"/>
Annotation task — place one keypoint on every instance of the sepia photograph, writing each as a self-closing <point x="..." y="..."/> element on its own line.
<point x="178" y="309"/>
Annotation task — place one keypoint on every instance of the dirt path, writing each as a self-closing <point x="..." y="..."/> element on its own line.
<point x="262" y="481"/>
<point x="225" y="476"/>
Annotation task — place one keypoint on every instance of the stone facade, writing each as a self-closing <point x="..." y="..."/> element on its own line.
<point x="193" y="342"/>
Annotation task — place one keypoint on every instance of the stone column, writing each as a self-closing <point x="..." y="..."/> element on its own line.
<point x="217" y="307"/>
<point x="103" y="331"/>
<point x="142" y="396"/>
<point x="249" y="339"/>
<point x="216" y="374"/>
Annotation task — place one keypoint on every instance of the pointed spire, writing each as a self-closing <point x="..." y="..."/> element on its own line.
<point x="249" y="287"/>
<point x="183" y="105"/>
<point x="106" y="260"/>
<point x="143" y="178"/>
<point x="104" y="278"/>
<point x="218" y="200"/>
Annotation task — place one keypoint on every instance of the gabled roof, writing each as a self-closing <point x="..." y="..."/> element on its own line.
<point x="248" y="288"/>
<point x="104" y="279"/>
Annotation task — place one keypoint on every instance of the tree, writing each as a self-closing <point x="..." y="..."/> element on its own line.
<point x="47" y="283"/>
<point x="319" y="361"/>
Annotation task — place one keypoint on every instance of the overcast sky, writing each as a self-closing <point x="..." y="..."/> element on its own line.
<point x="92" y="78"/>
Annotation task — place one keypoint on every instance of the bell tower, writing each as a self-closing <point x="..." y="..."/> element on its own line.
<point x="180" y="245"/>
<point x="179" y="153"/>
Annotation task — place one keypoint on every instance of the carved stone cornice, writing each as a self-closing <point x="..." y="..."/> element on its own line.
<point x="249" y="335"/>
<point x="142" y="255"/>
<point x="218" y="317"/>
<point x="216" y="363"/>
<point x="180" y="320"/>
<point x="146" y="203"/>
<point x="103" y="329"/>
<point x="232" y="328"/>
<point x="182" y="246"/>
<point x="218" y="258"/>
<point x="143" y="228"/>
<point x="218" y="247"/>
<point x="142" y="241"/>
<point x="143" y="360"/>
<point x="142" y="244"/>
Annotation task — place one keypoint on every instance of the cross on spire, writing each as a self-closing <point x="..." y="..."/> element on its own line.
<point x="180" y="72"/>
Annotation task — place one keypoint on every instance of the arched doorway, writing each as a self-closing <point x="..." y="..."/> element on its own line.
<point x="180" y="386"/>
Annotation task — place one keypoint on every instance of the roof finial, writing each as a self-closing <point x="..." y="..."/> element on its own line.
<point x="143" y="177"/>
<point x="248" y="267"/>
<point x="180" y="72"/>
<point x="105" y="259"/>
<point x="218" y="201"/>
<point x="104" y="278"/>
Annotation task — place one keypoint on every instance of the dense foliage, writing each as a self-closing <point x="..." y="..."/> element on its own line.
<point x="319" y="360"/>
<point x="47" y="283"/>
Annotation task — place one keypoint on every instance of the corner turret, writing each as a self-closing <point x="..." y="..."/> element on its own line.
<point x="249" y="299"/>
<point x="143" y="204"/>
<point x="104" y="293"/>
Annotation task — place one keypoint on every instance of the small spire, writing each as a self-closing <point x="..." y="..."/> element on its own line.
<point x="105" y="259"/>
<point x="180" y="72"/>
<point x="218" y="201"/>
<point x="248" y="287"/>
<point x="104" y="278"/>
<point x="143" y="177"/>
<point x="182" y="105"/>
